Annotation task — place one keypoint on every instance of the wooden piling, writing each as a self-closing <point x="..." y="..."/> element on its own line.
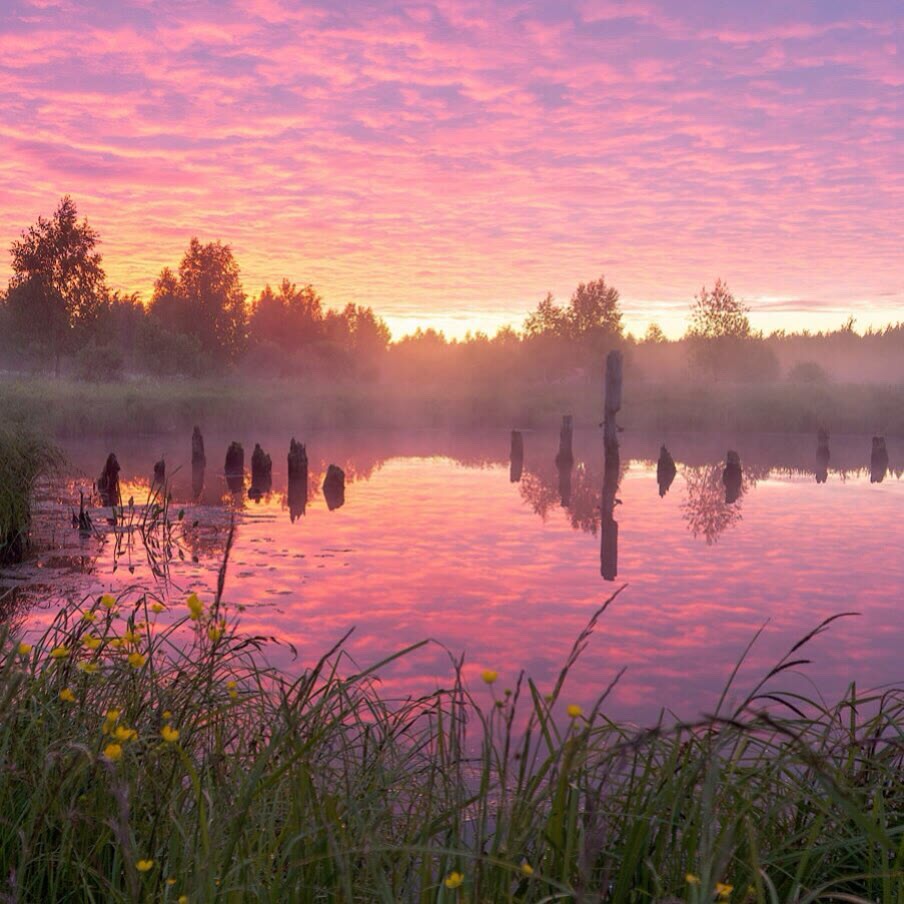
<point x="197" y="448"/>
<point x="516" y="457"/>
<point x="565" y="456"/>
<point x="613" y="399"/>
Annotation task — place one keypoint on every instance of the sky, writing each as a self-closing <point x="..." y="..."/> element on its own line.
<point x="449" y="163"/>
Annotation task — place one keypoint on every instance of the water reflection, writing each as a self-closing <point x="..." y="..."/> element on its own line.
<point x="516" y="457"/>
<point x="665" y="471"/>
<point x="608" y="525"/>
<point x="732" y="478"/>
<point x="878" y="464"/>
<point x="822" y="456"/>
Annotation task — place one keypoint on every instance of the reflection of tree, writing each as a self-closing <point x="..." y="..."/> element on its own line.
<point x="704" y="506"/>
<point x="541" y="490"/>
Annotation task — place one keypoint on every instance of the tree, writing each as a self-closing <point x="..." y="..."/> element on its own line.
<point x="654" y="334"/>
<point x="549" y="319"/>
<point x="290" y="318"/>
<point x="58" y="281"/>
<point x="594" y="311"/>
<point x="205" y="300"/>
<point x="718" y="314"/>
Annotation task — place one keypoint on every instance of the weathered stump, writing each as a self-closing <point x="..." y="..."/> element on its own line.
<point x="516" y="457"/>
<point x="261" y="473"/>
<point x="235" y="467"/>
<point x="160" y="471"/>
<point x="298" y="480"/>
<point x="613" y="399"/>
<point x="108" y="482"/>
<point x="334" y="487"/>
<point x="822" y="456"/>
<point x="665" y="471"/>
<point x="878" y="463"/>
<point x="732" y="477"/>
<point x="197" y="448"/>
<point x="565" y="457"/>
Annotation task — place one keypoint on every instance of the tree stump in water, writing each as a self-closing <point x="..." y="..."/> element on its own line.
<point x="298" y="479"/>
<point x="261" y="473"/>
<point x="565" y="457"/>
<point x="516" y="457"/>
<point x="665" y="471"/>
<point x="160" y="471"/>
<point x="822" y="456"/>
<point x="732" y="477"/>
<point x="197" y="448"/>
<point x="878" y="463"/>
<point x="613" y="399"/>
<point x="235" y="467"/>
<point x="108" y="482"/>
<point x="334" y="487"/>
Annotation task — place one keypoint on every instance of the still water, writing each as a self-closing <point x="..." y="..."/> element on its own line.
<point x="436" y="540"/>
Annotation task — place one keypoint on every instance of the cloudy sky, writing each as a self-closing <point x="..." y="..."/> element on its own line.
<point x="450" y="162"/>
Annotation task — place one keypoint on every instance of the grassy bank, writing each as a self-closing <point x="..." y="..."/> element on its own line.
<point x="23" y="459"/>
<point x="146" y="761"/>
<point x="68" y="408"/>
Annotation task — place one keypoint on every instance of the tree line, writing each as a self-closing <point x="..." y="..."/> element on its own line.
<point x="58" y="313"/>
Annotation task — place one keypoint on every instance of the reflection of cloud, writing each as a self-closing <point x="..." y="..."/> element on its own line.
<point x="445" y="155"/>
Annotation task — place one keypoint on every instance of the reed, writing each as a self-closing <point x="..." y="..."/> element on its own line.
<point x="151" y="755"/>
<point x="24" y="459"/>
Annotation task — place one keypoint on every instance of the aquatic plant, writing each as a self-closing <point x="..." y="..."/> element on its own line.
<point x="168" y="762"/>
<point x="24" y="458"/>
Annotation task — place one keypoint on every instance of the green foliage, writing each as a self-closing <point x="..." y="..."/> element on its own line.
<point x="145" y="758"/>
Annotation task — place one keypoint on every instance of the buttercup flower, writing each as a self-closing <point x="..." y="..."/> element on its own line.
<point x="91" y="642"/>
<point x="453" y="880"/>
<point x="144" y="865"/>
<point x="526" y="868"/>
<point x="574" y="711"/>
<point x="137" y="660"/>
<point x="167" y="715"/>
<point x="131" y="637"/>
<point x="60" y="652"/>
<point x="89" y="668"/>
<point x="67" y="696"/>
<point x="489" y="676"/>
<point x="108" y="601"/>
<point x="195" y="606"/>
<point x="724" y="891"/>
<point x="169" y="734"/>
<point x="89" y="617"/>
<point x="125" y="734"/>
<point x="214" y="633"/>
<point x="24" y="648"/>
<point x="113" y="752"/>
<point x="691" y="879"/>
<point x="158" y="607"/>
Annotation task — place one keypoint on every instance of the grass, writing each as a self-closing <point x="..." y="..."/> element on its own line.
<point x="69" y="408"/>
<point x="317" y="788"/>
<point x="24" y="458"/>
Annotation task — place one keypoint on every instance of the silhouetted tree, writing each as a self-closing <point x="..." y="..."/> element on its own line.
<point x="205" y="300"/>
<point x="290" y="318"/>
<point x="57" y="282"/>
<point x="592" y="313"/>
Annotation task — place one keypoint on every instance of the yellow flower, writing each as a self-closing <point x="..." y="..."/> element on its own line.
<point x="167" y="715"/>
<point x="91" y="642"/>
<point x="67" y="696"/>
<point x="489" y="676"/>
<point x="214" y="633"/>
<point x="113" y="752"/>
<point x="89" y="668"/>
<point x="144" y="865"/>
<point x="108" y="601"/>
<point x="24" y="648"/>
<point x="158" y="607"/>
<point x="137" y="660"/>
<point x="89" y="617"/>
<point x="453" y="880"/>
<point x="111" y="715"/>
<point x="59" y="652"/>
<point x="232" y="685"/>
<point x="526" y="868"/>
<point x="169" y="734"/>
<point x="171" y="881"/>
<point x="125" y="734"/>
<point x="724" y="891"/>
<point x="131" y="637"/>
<point x="182" y="899"/>
<point x="234" y="695"/>
<point x="691" y="879"/>
<point x="117" y="643"/>
<point x="574" y="711"/>
<point x="195" y="606"/>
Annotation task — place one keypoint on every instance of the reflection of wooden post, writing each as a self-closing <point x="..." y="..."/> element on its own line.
<point x="732" y="477"/>
<point x="822" y="456"/>
<point x="334" y="487"/>
<point x="565" y="458"/>
<point x="878" y="462"/>
<point x="613" y="399"/>
<point x="608" y="524"/>
<point x="298" y="479"/>
<point x="516" y="457"/>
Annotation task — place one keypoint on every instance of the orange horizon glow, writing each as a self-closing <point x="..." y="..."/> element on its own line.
<point x="448" y="163"/>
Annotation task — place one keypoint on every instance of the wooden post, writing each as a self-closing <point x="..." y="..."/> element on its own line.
<point x="334" y="487"/>
<point x="197" y="448"/>
<point x="613" y="399"/>
<point x="516" y="457"/>
<point x="261" y="473"/>
<point x="732" y="477"/>
<point x="108" y="482"/>
<point x="235" y="467"/>
<point x="565" y="457"/>
<point x="665" y="470"/>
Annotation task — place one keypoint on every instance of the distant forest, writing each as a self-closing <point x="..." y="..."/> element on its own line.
<point x="58" y="315"/>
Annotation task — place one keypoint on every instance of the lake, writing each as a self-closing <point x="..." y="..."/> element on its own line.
<point x="436" y="540"/>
